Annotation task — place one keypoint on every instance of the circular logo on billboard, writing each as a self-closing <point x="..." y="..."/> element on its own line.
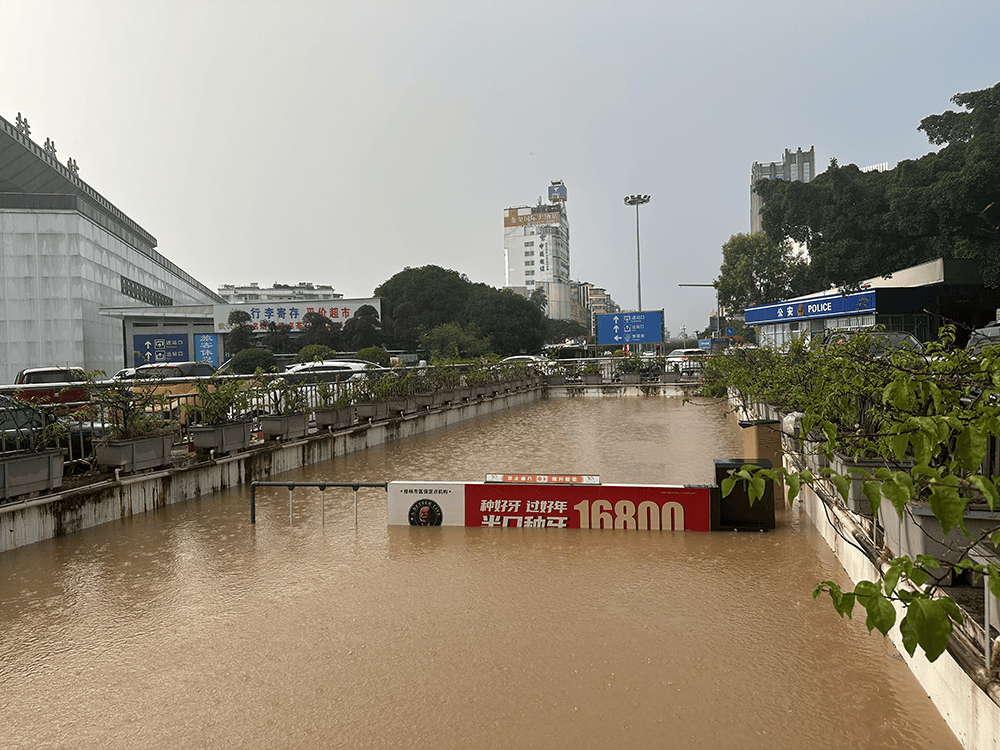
<point x="425" y="512"/>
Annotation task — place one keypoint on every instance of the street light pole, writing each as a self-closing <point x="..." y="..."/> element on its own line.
<point x="637" y="200"/>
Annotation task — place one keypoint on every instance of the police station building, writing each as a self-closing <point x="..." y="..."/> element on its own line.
<point x="917" y="300"/>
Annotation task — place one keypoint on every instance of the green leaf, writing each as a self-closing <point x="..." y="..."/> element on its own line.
<point x="842" y="484"/>
<point x="971" y="447"/>
<point x="930" y="621"/>
<point x="794" y="484"/>
<point x="727" y="485"/>
<point x="987" y="487"/>
<point x="909" y="635"/>
<point x="898" y="444"/>
<point x="948" y="506"/>
<point x="881" y="614"/>
<point x="873" y="493"/>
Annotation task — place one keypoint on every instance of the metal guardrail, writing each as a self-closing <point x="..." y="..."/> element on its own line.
<point x="322" y="486"/>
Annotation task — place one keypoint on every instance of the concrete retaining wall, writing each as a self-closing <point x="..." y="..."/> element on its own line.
<point x="72" y="510"/>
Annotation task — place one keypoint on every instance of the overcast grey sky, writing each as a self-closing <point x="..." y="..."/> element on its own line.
<point x="338" y="142"/>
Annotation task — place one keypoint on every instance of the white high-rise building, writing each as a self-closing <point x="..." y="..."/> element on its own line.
<point x="536" y="250"/>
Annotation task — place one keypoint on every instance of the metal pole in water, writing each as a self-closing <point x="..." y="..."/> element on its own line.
<point x="322" y="502"/>
<point x="253" y="503"/>
<point x="355" y="506"/>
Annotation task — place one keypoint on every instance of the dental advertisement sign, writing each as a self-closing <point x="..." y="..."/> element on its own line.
<point x="551" y="504"/>
<point x="817" y="307"/>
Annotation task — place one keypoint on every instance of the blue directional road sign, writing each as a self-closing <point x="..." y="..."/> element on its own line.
<point x="630" y="328"/>
<point x="166" y="347"/>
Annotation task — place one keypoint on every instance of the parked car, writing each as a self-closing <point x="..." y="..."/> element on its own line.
<point x="174" y="370"/>
<point x="541" y="364"/>
<point x="883" y="343"/>
<point x="329" y="369"/>
<point x="688" y="361"/>
<point x="23" y="423"/>
<point x="52" y="385"/>
<point x="988" y="335"/>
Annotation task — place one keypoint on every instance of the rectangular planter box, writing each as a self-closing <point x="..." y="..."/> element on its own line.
<point x="222" y="437"/>
<point x="136" y="454"/>
<point x="21" y="473"/>
<point x="372" y="410"/>
<point x="670" y="377"/>
<point x="556" y="380"/>
<point x="284" y="426"/>
<point x="593" y="379"/>
<point x="335" y="418"/>
<point x="630" y="378"/>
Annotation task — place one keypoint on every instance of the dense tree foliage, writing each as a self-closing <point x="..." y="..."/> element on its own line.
<point x="511" y="323"/>
<point x="319" y="330"/>
<point x="452" y="341"/>
<point x="436" y="295"/>
<point x="946" y="204"/>
<point x="922" y="423"/>
<point x="363" y="329"/>
<point x="248" y="361"/>
<point x="756" y="270"/>
<point x="426" y="298"/>
<point x="241" y="335"/>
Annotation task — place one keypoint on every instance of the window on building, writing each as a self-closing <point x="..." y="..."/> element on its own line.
<point x="529" y="273"/>
<point x="529" y="244"/>
<point x="529" y="262"/>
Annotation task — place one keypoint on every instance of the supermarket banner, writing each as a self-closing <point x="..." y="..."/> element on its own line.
<point x="546" y="502"/>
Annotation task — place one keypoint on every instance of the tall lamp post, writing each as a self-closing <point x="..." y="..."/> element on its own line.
<point x="637" y="200"/>
<point x="718" y="310"/>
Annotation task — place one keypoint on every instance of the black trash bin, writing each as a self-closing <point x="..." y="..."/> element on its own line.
<point x="735" y="513"/>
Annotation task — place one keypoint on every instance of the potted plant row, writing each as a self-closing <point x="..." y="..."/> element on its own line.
<point x="138" y="425"/>
<point x="283" y="404"/>
<point x="29" y="460"/>
<point x="221" y="415"/>
<point x="335" y="408"/>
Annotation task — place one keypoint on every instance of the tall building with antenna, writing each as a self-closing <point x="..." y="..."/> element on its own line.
<point x="536" y="250"/>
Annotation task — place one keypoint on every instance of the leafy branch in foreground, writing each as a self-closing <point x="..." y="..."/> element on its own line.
<point x="924" y="422"/>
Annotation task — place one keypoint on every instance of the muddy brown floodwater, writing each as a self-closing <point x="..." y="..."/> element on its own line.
<point x="190" y="628"/>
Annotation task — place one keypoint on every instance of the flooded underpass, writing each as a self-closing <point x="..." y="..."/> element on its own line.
<point x="189" y="627"/>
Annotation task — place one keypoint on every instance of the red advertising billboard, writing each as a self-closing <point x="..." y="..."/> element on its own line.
<point x="551" y="505"/>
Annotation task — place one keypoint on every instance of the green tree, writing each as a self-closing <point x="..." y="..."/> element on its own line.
<point x="756" y="270"/>
<point x="312" y="352"/>
<point x="436" y="295"/>
<point x="924" y="424"/>
<point x="539" y="299"/>
<point x="375" y="354"/>
<point x="405" y="329"/>
<point x="452" y="341"/>
<point x="319" y="330"/>
<point x="277" y="339"/>
<point x="363" y="329"/>
<point x="241" y="334"/>
<point x="946" y="204"/>
<point x="511" y="323"/>
<point x="247" y="361"/>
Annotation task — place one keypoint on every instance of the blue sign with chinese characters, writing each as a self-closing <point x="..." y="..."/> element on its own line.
<point x="630" y="328"/>
<point x="164" y="347"/>
<point x="206" y="347"/>
<point x="816" y="307"/>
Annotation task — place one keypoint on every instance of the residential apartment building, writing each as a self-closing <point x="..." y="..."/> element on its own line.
<point x="798" y="166"/>
<point x="304" y="290"/>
